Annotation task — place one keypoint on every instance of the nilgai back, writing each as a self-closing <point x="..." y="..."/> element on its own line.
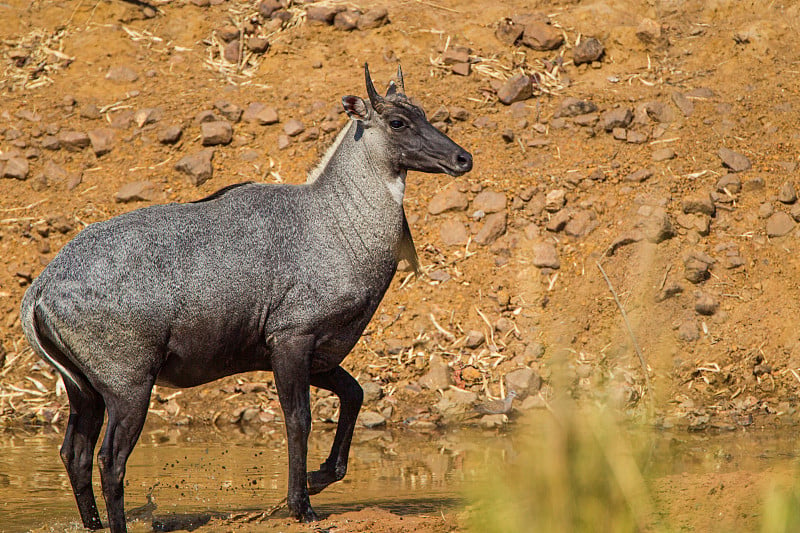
<point x="254" y="277"/>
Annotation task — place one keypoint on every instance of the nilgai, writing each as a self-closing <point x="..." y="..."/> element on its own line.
<point x="254" y="277"/>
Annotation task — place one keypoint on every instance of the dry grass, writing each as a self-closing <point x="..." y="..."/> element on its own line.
<point x="31" y="59"/>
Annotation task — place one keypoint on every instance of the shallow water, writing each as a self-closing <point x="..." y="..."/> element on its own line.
<point x="191" y="471"/>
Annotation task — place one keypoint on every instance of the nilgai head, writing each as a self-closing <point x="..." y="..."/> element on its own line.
<point x="412" y="142"/>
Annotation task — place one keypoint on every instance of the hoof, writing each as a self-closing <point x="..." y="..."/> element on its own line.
<point x="317" y="481"/>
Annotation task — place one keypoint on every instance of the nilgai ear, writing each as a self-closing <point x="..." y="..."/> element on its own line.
<point x="355" y="107"/>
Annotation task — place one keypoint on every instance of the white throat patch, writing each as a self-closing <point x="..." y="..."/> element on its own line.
<point x="397" y="187"/>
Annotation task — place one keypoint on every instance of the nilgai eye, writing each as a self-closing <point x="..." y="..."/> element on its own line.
<point x="396" y="124"/>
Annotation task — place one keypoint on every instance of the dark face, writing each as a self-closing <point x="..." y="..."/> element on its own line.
<point x="413" y="142"/>
<point x="417" y="144"/>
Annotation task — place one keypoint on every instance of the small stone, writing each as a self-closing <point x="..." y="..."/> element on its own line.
<point x="489" y="201"/>
<point x="372" y="392"/>
<point x="572" y="107"/>
<point x="507" y="135"/>
<point x="371" y="419"/>
<point x="170" y="134"/>
<point x="136" y="192"/>
<point x="705" y="303"/>
<point x="449" y="199"/>
<point x="541" y="36"/>
<point x="231" y="112"/>
<point x="373" y="18"/>
<point x="787" y="194"/>
<point x="283" y="142"/>
<point x="197" y="166"/>
<point x="260" y="114"/>
<point x="620" y="117"/>
<point x="215" y="133"/>
<point x="228" y="33"/>
<point x="440" y="115"/>
<point x="474" y="339"/>
<point x="493" y="227"/>
<point x="267" y="7"/>
<point x="779" y="224"/>
<point x="461" y="69"/>
<point x="74" y="141"/>
<point x="619" y="134"/>
<point x="649" y="31"/>
<point x="493" y="421"/>
<point x="258" y="45"/>
<point x="545" y="255"/>
<point x="733" y="160"/>
<point x="657" y="227"/>
<point x="311" y="134"/>
<point x="459" y="113"/>
<point x="516" y="88"/>
<point x="456" y="54"/>
<point x="581" y="223"/>
<point x="639" y="175"/>
<point x="701" y="205"/>
<point x="663" y="154"/>
<point x="453" y="232"/>
<point x="16" y="168"/>
<point x="507" y="32"/>
<point x="555" y="200"/>
<point x="688" y="331"/>
<point x="122" y="74"/>
<point x="231" y="51"/>
<point x="90" y="111"/>
<point x="146" y="116"/>
<point x="587" y="50"/>
<point x="696" y="270"/>
<point x="730" y="183"/>
<point x="322" y="14"/>
<point x="438" y="376"/>
<point x="346" y="20"/>
<point x="293" y="127"/>
<point x="523" y="382"/>
<point x="635" y="137"/>
<point x="684" y="104"/>
<point x="102" y="140"/>
<point x="50" y="142"/>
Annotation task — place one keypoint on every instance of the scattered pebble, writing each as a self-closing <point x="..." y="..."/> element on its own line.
<point x="197" y="166"/>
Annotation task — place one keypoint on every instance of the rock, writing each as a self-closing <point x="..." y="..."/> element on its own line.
<point x="448" y="199"/>
<point x="699" y="223"/>
<point x="74" y="141"/>
<point x="489" y="201"/>
<point x="493" y="227"/>
<point x="523" y="381"/>
<point x="541" y="36"/>
<point x="787" y="194"/>
<point x="657" y="227"/>
<point x="16" y="168"/>
<point x="50" y="142"/>
<point x="474" y="339"/>
<point x="102" y="140"/>
<point x="267" y="7"/>
<point x="231" y="112"/>
<point x="507" y="32"/>
<point x="588" y="120"/>
<point x="311" y="134"/>
<point x="545" y="256"/>
<point x="459" y="113"/>
<point x="461" y="69"/>
<point x="619" y="134"/>
<point x="90" y="111"/>
<point x="231" y="52"/>
<point x="699" y="205"/>
<point x="795" y="212"/>
<point x="555" y="200"/>
<point x="228" y="33"/>
<point x="346" y="20"/>
<point x="456" y="405"/>
<point x="684" y="104"/>
<point x="440" y="115"/>
<point x="215" y="133"/>
<point x="639" y="175"/>
<point x="705" y="303"/>
<point x="558" y="221"/>
<point x="197" y="166"/>
<point x="657" y="111"/>
<point x="572" y="107"/>
<point x="438" y="376"/>
<point x="663" y="154"/>
<point x="516" y="88"/>
<point x="453" y="232"/>
<point x="649" y="31"/>
<point x="493" y="421"/>
<point x="635" y="137"/>
<point x="730" y="183"/>
<point x="149" y="115"/>
<point x="620" y="117"/>
<point x="170" y="134"/>
<point x="454" y="55"/>
<point x="688" y="331"/>
<point x="373" y="18"/>
<point x="258" y="45"/>
<point x="587" y="50"/>
<point x="779" y="224"/>
<point x="283" y="142"/>
<point x="581" y="223"/>
<point x="136" y="191"/>
<point x="696" y="269"/>
<point x="322" y="14"/>
<point x="372" y="392"/>
<point x="733" y="160"/>
<point x="371" y="419"/>
<point x="293" y="127"/>
<point x="122" y="74"/>
<point x="625" y="239"/>
<point x="260" y="114"/>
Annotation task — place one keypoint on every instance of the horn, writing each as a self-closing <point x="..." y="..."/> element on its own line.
<point x="400" y="84"/>
<point x="375" y="99"/>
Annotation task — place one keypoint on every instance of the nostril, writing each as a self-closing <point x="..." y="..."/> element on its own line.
<point x="464" y="160"/>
